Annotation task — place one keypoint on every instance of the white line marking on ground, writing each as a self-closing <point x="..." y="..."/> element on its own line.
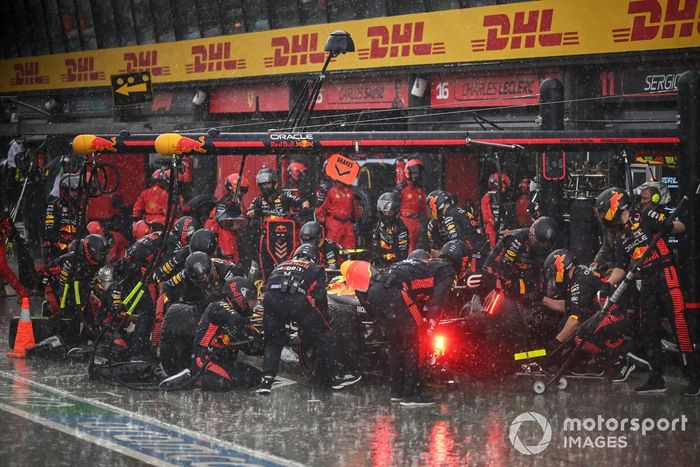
<point x="110" y="393"/>
<point x="145" y="418"/>
<point x="85" y="436"/>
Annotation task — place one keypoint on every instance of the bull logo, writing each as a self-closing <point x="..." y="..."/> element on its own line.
<point x="559" y="268"/>
<point x="614" y="205"/>
<point x="168" y="144"/>
<point x="86" y="144"/>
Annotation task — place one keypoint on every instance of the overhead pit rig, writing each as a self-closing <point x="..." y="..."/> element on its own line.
<point x="551" y="143"/>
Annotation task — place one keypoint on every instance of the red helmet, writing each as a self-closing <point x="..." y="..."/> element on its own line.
<point x="140" y="229"/>
<point x="493" y="181"/>
<point x="95" y="227"/>
<point x="296" y="170"/>
<point x="232" y="181"/>
<point x="413" y="166"/>
<point x="161" y="176"/>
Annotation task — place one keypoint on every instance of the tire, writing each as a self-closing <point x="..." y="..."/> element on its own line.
<point x="348" y="338"/>
<point x="177" y="335"/>
<point x="365" y="200"/>
<point x="348" y="334"/>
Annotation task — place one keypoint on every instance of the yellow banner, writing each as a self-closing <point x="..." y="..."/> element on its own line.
<point x="537" y="29"/>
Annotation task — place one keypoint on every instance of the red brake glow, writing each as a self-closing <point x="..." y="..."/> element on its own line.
<point x="440" y="345"/>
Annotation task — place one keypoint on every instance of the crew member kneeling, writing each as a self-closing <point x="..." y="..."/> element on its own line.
<point x="223" y="326"/>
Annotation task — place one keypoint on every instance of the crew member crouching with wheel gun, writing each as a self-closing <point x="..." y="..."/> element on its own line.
<point x="516" y="260"/>
<point x="397" y="297"/>
<point x="574" y="290"/>
<point x="72" y="288"/>
<point x="223" y="330"/>
<point x="660" y="292"/>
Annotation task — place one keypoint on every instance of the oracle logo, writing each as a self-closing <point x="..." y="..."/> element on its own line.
<point x="291" y="136"/>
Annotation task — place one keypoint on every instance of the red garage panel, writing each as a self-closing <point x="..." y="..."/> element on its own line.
<point x="242" y="98"/>
<point x="462" y="176"/>
<point x="131" y="169"/>
<point x="488" y="90"/>
<point x="379" y="93"/>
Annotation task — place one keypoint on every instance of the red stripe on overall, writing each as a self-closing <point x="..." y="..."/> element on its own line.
<point x="676" y="295"/>
<point x="420" y="327"/>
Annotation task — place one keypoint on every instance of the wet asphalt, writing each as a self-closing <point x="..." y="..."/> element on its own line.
<point x="301" y="423"/>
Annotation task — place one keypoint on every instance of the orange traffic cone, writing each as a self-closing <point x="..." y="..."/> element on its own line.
<point x="25" y="332"/>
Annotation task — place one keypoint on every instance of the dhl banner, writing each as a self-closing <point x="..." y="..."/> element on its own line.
<point x="545" y="28"/>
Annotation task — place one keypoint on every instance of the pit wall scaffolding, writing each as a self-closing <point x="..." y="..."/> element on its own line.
<point x="527" y="30"/>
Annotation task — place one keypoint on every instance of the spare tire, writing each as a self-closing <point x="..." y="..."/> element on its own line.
<point x="365" y="200"/>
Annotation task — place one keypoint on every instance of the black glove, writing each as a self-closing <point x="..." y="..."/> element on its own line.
<point x="551" y="344"/>
<point x="607" y="290"/>
<point x="534" y="296"/>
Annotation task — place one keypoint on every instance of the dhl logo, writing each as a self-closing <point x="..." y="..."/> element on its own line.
<point x="214" y="57"/>
<point x="28" y="73"/>
<point x="525" y="30"/>
<point x="403" y="40"/>
<point x="144" y="61"/>
<point x="677" y="19"/>
<point x="302" y="49"/>
<point x="81" y="69"/>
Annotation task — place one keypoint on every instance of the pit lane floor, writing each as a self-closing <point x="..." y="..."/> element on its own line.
<point x="53" y="415"/>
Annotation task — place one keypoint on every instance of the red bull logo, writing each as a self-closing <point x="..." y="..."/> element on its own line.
<point x="559" y="265"/>
<point x="186" y="145"/>
<point x="639" y="252"/>
<point x="614" y="205"/>
<point x="168" y="144"/>
<point x="86" y="144"/>
<point x="100" y="144"/>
